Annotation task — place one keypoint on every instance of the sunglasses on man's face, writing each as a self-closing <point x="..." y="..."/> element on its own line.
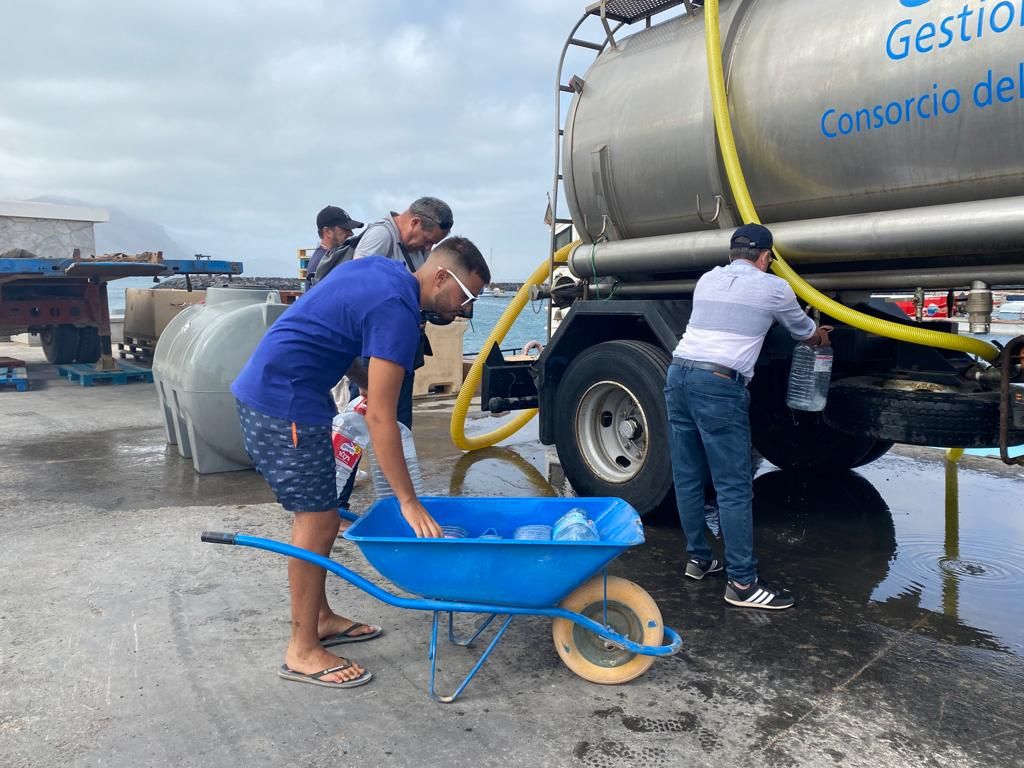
<point x="470" y="298"/>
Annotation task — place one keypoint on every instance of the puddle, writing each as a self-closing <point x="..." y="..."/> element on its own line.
<point x="890" y="535"/>
<point x="960" y="547"/>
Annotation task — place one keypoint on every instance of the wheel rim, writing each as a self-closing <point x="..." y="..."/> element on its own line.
<point x="611" y="430"/>
<point x="600" y="652"/>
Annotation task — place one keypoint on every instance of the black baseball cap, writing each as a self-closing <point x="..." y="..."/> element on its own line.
<point x="752" y="236"/>
<point x="333" y="216"/>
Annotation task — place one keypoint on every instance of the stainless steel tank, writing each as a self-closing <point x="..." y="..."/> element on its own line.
<point x="838" y="109"/>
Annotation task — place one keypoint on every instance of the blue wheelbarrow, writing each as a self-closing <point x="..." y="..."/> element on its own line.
<point x="606" y="629"/>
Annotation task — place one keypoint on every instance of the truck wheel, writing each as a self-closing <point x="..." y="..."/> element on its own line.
<point x="60" y="343"/>
<point x="796" y="440"/>
<point x="803" y="441"/>
<point x="946" y="419"/>
<point x="879" y="450"/>
<point x="88" y="345"/>
<point x="611" y="424"/>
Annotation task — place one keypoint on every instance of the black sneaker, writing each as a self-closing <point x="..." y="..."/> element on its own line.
<point x="758" y="595"/>
<point x="697" y="569"/>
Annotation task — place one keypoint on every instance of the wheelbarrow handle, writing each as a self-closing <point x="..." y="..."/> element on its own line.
<point x="216" y="537"/>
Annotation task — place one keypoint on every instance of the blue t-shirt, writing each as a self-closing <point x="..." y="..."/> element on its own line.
<point x="364" y="308"/>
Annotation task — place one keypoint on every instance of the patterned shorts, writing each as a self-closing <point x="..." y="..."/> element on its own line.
<point x="296" y="460"/>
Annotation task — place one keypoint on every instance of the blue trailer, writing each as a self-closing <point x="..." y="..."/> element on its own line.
<point x="65" y="300"/>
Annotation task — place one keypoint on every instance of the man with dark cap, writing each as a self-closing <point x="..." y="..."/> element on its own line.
<point x="709" y="426"/>
<point x="407" y="238"/>
<point x="333" y="226"/>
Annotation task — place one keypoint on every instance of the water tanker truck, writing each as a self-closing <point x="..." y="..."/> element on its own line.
<point x="881" y="141"/>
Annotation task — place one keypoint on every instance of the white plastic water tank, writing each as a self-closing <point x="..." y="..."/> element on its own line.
<point x="199" y="354"/>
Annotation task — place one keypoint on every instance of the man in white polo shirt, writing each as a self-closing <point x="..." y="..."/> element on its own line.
<point x="708" y="407"/>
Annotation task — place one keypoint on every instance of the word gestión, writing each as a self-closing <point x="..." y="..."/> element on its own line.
<point x="974" y="21"/>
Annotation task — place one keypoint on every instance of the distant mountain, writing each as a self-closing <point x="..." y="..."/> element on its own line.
<point x="125" y="233"/>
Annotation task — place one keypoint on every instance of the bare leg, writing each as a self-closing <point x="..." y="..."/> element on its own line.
<point x="316" y="532"/>
<point x="330" y="622"/>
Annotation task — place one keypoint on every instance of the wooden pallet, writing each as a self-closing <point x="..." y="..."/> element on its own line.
<point x="13" y="375"/>
<point x="87" y="375"/>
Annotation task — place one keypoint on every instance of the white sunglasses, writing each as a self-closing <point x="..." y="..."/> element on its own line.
<point x="470" y="298"/>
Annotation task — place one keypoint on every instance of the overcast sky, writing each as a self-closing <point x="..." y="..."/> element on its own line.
<point x="231" y="122"/>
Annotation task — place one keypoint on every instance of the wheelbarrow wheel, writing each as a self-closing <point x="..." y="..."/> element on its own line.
<point x="631" y="613"/>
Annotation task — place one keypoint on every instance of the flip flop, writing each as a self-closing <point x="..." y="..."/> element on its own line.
<point x="316" y="678"/>
<point x="340" y="638"/>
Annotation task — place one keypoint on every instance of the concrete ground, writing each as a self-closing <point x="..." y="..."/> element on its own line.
<point x="125" y="641"/>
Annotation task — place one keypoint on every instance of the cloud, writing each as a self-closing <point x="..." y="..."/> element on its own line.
<point x="232" y="122"/>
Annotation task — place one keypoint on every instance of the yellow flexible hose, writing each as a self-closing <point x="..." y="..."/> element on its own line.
<point x="738" y="185"/>
<point x="458" y="424"/>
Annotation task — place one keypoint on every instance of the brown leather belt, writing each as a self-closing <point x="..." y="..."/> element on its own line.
<point x="713" y="367"/>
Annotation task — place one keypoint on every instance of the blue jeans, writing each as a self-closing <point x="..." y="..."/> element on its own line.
<point x="404" y="416"/>
<point x="709" y="438"/>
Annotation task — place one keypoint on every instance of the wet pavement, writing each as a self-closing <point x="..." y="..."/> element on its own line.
<point x="125" y="641"/>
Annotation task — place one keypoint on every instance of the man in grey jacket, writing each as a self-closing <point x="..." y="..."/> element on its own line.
<point x="408" y="236"/>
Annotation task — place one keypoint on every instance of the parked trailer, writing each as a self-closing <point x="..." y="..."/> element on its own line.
<point x="65" y="300"/>
<point x="882" y="159"/>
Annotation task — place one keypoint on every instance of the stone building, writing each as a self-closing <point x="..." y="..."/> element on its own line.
<point x="49" y="231"/>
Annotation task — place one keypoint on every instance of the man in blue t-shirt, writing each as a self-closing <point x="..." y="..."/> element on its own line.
<point x="365" y="308"/>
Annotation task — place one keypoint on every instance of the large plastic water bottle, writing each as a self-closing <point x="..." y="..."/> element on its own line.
<point x="574" y="525"/>
<point x="381" y="487"/>
<point x="809" y="377"/>
<point x="349" y="436"/>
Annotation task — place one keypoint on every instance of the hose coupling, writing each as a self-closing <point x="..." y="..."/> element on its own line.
<point x="979" y="307"/>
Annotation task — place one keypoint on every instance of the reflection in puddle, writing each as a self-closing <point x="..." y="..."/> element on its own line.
<point x="886" y="538"/>
<point x="972" y="573"/>
<point x="491" y="464"/>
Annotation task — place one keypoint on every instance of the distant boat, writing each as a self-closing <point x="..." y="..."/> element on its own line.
<point x="495" y="291"/>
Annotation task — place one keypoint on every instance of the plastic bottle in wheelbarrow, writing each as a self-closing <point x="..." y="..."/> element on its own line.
<point x="381" y="487"/>
<point x="574" y="525"/>
<point x="349" y="438"/>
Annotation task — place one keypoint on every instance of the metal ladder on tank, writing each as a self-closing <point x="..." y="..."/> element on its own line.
<point x="614" y="15"/>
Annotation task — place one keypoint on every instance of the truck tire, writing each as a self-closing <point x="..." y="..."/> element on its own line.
<point x="88" y="350"/>
<point x="794" y="440"/>
<point x="941" y="419"/>
<point x="60" y="343"/>
<point x="611" y="424"/>
<point x="803" y="441"/>
<point x="879" y="450"/>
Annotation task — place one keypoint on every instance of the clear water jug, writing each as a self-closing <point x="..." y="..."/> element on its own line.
<point x="809" y="377"/>
<point x="574" y="526"/>
<point x="381" y="487"/>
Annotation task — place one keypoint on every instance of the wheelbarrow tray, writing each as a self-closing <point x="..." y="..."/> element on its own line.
<point x="526" y="574"/>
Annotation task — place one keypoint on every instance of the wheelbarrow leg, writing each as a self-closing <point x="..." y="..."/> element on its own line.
<point x="476" y="667"/>
<point x="467" y="641"/>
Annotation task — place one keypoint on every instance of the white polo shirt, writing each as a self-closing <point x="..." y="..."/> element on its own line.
<point x="733" y="309"/>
